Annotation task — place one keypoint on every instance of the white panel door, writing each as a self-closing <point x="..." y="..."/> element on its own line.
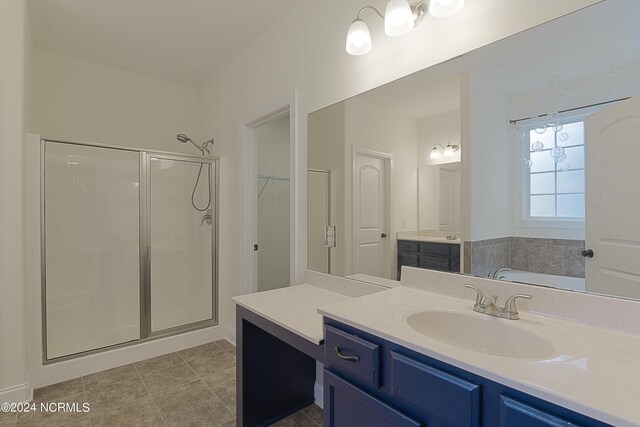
<point x="448" y="199"/>
<point x="370" y="217"/>
<point x="612" y="199"/>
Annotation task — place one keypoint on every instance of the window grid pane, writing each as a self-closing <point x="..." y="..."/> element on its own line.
<point x="554" y="192"/>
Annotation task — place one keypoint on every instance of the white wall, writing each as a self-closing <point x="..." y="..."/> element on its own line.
<point x="273" y="204"/>
<point x="304" y="50"/>
<point x="14" y="70"/>
<point x="77" y="99"/>
<point x="440" y="129"/>
<point x="374" y="128"/>
<point x="486" y="196"/>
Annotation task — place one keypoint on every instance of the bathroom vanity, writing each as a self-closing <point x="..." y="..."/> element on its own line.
<point x="435" y="254"/>
<point x="419" y="355"/>
<point x="374" y="382"/>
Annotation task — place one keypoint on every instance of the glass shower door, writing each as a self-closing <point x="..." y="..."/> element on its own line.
<point x="91" y="241"/>
<point x="182" y="230"/>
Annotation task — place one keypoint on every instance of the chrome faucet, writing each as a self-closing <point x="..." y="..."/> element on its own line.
<point x="489" y="305"/>
<point x="498" y="271"/>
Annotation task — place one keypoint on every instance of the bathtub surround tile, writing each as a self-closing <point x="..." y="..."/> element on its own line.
<point x="58" y="391"/>
<point x="109" y="376"/>
<point x="519" y="257"/>
<point x="139" y="412"/>
<point x="159" y="381"/>
<point x="549" y="256"/>
<point x="200" y="351"/>
<point x="158" y="363"/>
<point x="574" y="262"/>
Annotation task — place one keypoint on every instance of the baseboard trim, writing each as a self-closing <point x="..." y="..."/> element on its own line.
<point x="17" y="394"/>
<point x="318" y="394"/>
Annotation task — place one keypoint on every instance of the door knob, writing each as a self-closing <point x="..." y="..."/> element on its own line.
<point x="587" y="253"/>
<point x="383" y="235"/>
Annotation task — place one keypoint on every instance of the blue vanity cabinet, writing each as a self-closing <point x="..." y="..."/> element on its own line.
<point x="428" y="255"/>
<point x="371" y="382"/>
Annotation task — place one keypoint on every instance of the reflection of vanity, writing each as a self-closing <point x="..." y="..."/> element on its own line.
<point x="433" y="253"/>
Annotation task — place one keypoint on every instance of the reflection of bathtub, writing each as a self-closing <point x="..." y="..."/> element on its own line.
<point x="564" y="282"/>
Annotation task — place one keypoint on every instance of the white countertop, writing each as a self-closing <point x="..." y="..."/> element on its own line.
<point x="431" y="239"/>
<point x="593" y="371"/>
<point x="294" y="308"/>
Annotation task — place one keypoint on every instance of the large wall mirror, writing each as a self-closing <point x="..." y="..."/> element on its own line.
<point x="517" y="161"/>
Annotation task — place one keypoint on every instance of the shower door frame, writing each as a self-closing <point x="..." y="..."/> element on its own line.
<point x="144" y="246"/>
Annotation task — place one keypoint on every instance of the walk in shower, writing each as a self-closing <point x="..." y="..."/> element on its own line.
<point x="127" y="255"/>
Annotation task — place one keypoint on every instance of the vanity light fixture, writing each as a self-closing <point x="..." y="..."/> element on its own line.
<point x="399" y="17"/>
<point x="448" y="150"/>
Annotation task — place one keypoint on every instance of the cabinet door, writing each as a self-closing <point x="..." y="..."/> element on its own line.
<point x="518" y="414"/>
<point x="348" y="406"/>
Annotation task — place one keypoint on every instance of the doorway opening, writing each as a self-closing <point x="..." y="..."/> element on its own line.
<point x="268" y="183"/>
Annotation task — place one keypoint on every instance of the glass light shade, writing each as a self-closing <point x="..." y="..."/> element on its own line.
<point x="398" y="18"/>
<point x="444" y="8"/>
<point x="435" y="154"/>
<point x="448" y="151"/>
<point x="358" y="38"/>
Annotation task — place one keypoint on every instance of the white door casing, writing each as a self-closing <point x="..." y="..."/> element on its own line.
<point x="372" y="202"/>
<point x="318" y="216"/>
<point x="612" y="209"/>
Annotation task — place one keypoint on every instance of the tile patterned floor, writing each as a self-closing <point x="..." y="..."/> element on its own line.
<point x="193" y="387"/>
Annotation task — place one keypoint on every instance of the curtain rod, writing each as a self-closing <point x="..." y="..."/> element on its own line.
<point x="513" y="122"/>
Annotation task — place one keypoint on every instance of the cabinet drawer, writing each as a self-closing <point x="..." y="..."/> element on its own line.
<point x="447" y="397"/>
<point x="518" y="414"/>
<point x="408" y="246"/>
<point x="348" y="406"/>
<point x="352" y="355"/>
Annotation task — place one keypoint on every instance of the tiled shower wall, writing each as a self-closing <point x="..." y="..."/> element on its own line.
<point x="560" y="257"/>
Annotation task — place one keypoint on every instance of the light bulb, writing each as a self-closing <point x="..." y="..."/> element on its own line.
<point x="398" y="18"/>
<point x="435" y="154"/>
<point x="358" y="38"/>
<point x="448" y="150"/>
<point x="444" y="8"/>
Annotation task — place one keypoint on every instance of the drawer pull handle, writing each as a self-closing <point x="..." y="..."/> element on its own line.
<point x="342" y="356"/>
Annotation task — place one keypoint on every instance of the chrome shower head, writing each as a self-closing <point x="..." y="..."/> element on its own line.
<point x="183" y="138"/>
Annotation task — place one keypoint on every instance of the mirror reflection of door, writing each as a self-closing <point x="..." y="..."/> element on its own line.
<point x="612" y="230"/>
<point x="319" y="205"/>
<point x="371" y="215"/>
<point x="273" y="190"/>
<point x="449" y="197"/>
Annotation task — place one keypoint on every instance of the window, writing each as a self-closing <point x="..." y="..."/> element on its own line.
<point x="554" y="171"/>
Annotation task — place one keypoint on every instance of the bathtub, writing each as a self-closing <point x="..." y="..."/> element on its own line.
<point x="564" y="282"/>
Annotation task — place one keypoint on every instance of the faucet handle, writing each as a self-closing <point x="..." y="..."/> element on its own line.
<point x="510" y="306"/>
<point x="479" y="294"/>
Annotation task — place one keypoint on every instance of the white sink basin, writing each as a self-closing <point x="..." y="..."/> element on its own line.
<point x="482" y="333"/>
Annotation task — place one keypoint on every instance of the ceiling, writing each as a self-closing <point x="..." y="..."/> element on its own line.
<point x="182" y="41"/>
